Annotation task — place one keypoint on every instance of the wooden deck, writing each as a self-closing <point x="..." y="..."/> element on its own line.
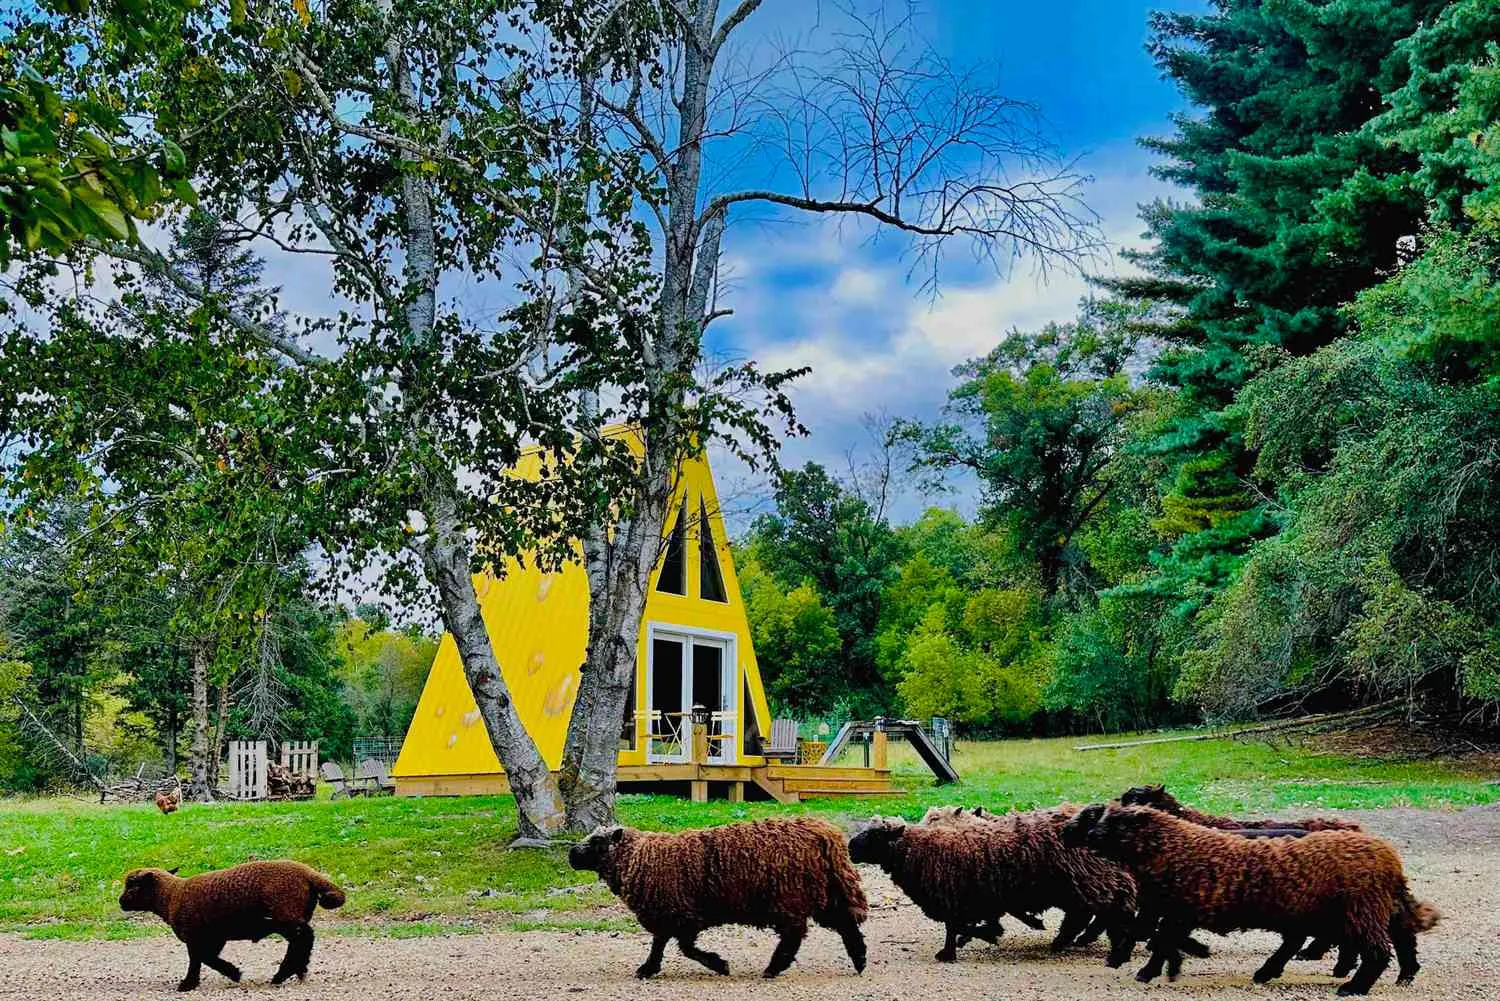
<point x="785" y="783"/>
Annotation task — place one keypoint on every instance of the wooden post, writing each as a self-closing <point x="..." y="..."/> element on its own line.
<point x="700" y="791"/>
<point x="736" y="792"/>
<point x="700" y="743"/>
<point x="879" y="742"/>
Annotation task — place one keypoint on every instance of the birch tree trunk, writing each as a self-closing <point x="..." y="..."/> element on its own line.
<point x="618" y="570"/>
<point x="619" y="558"/>
<point x="198" y="764"/>
<point x="539" y="804"/>
<point x="218" y="739"/>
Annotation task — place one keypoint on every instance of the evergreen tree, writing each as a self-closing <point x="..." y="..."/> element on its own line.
<point x="1298" y="204"/>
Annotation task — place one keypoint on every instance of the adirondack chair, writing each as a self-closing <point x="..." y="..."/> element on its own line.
<point x="334" y="776"/>
<point x="374" y="776"/>
<point x="783" y="742"/>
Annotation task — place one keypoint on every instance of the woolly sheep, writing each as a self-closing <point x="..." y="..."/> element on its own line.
<point x="777" y="874"/>
<point x="1196" y="876"/>
<point x="249" y="901"/>
<point x="964" y="876"/>
<point x="1158" y="798"/>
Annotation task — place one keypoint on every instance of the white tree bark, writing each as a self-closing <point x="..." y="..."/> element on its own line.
<point x="199" y="787"/>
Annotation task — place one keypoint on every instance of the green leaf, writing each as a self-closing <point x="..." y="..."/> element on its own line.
<point x="105" y="210"/>
<point x="175" y="159"/>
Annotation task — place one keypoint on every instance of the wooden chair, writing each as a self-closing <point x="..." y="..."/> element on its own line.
<point x="374" y="776"/>
<point x="334" y="776"/>
<point x="783" y="743"/>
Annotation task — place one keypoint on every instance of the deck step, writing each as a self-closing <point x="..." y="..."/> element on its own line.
<point x="849" y="791"/>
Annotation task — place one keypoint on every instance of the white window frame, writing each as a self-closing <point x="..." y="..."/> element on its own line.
<point x="724" y="751"/>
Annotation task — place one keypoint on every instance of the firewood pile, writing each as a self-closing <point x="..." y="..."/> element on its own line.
<point x="283" y="783"/>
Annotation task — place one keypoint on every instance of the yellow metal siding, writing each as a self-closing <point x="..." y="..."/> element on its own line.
<point x="538" y="624"/>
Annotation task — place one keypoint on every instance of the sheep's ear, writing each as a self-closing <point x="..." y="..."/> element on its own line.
<point x="1158" y="788"/>
<point x="617" y="835"/>
<point x="174" y="870"/>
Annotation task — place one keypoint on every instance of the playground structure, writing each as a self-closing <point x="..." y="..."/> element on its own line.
<point x="696" y="720"/>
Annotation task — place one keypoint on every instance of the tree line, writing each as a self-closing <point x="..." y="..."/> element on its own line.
<point x="1259" y="473"/>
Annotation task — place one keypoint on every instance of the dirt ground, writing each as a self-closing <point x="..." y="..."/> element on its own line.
<point x="1452" y="859"/>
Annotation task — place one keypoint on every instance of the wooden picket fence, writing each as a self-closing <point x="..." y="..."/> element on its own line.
<point x="300" y="757"/>
<point x="247" y="769"/>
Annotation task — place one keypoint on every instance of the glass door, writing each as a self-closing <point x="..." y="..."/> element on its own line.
<point x="671" y="724"/>
<point x="689" y="669"/>
<point x="714" y="689"/>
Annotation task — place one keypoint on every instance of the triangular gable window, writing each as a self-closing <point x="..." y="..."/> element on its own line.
<point x="710" y="577"/>
<point x="673" y="577"/>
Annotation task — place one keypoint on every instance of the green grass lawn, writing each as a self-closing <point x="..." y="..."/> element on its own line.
<point x="435" y="866"/>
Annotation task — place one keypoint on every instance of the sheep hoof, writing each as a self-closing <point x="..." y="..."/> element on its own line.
<point x="1352" y="988"/>
<point x="1264" y="976"/>
<point x="187" y="985"/>
<point x="1145" y="976"/>
<point x="947" y="956"/>
<point x="647" y="972"/>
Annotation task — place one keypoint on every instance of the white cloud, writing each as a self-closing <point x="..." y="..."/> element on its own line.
<point x="874" y="342"/>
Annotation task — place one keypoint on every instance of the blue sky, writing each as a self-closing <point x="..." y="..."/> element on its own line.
<point x="807" y="293"/>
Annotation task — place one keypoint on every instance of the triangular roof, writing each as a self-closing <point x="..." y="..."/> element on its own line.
<point x="538" y="625"/>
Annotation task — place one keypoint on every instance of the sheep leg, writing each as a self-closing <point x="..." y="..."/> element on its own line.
<point x="1275" y="965"/>
<point x="848" y="929"/>
<point x="1373" y="959"/>
<point x="652" y="966"/>
<point x="1316" y="949"/>
<point x="299" y="943"/>
<point x="1091" y="934"/>
<point x="209" y="954"/>
<point x="1164" y="947"/>
<point x="989" y="931"/>
<point x="1348" y="960"/>
<point x="688" y="944"/>
<point x="1073" y="922"/>
<point x="786" y="949"/>
<point x="949" y="952"/>
<point x="190" y="982"/>
<point x="1029" y="920"/>
<point x="1404" y="937"/>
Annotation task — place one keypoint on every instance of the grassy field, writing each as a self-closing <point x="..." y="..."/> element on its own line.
<point x="439" y="866"/>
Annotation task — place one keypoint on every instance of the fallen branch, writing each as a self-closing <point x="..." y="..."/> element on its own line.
<point x="78" y="763"/>
<point x="1317" y="719"/>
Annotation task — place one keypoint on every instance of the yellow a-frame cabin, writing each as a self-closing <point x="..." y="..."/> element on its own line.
<point x="694" y="650"/>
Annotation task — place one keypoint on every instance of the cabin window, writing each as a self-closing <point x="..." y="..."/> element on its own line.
<point x="710" y="577"/>
<point x="627" y="725"/>
<point x="751" y="742"/>
<point x="673" y="577"/>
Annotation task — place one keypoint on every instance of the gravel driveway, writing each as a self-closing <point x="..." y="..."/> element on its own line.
<point x="1452" y="859"/>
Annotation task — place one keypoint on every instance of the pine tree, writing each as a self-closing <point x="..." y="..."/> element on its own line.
<point x="1299" y="204"/>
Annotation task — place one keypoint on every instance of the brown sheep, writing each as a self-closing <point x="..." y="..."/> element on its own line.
<point x="1158" y="798"/>
<point x="247" y="901"/>
<point x="964" y="876"/>
<point x="960" y="816"/>
<point x="777" y="874"/>
<point x="1196" y="876"/>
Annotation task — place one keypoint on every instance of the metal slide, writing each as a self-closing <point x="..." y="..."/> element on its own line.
<point x="910" y="729"/>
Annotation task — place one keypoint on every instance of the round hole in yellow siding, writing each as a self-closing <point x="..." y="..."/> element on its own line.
<point x="471" y="717"/>
<point x="544" y="586"/>
<point x="535" y="664"/>
<point x="438" y="712"/>
<point x="452" y="739"/>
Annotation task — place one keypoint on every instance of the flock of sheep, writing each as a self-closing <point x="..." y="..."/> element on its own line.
<point x="1144" y="868"/>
